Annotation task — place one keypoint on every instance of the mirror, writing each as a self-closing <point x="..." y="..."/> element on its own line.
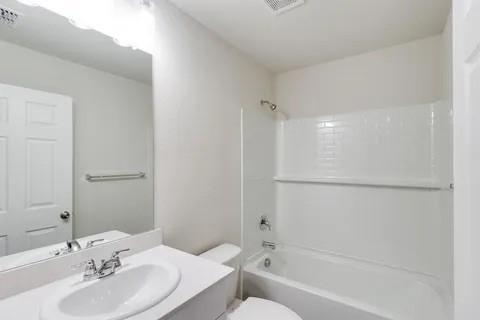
<point x="76" y="137"/>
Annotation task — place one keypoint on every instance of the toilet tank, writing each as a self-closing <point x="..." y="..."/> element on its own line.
<point x="228" y="255"/>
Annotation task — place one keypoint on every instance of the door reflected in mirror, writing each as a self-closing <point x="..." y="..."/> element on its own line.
<point x="76" y="138"/>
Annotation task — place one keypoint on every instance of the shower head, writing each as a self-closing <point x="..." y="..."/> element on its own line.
<point x="274" y="108"/>
<point x="270" y="105"/>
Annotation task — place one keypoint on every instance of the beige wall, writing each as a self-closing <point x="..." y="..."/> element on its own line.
<point x="403" y="75"/>
<point x="112" y="129"/>
<point x="200" y="86"/>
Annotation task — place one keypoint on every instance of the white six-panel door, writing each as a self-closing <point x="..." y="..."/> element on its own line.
<point x="35" y="168"/>
<point x="466" y="45"/>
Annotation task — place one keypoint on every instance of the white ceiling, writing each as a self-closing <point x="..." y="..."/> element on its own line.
<point x="47" y="32"/>
<point x="318" y="31"/>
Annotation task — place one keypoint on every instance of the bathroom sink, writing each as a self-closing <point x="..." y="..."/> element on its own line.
<point x="133" y="289"/>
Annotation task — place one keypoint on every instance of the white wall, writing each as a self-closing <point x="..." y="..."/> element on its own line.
<point x="447" y="95"/>
<point x="200" y="86"/>
<point x="112" y="131"/>
<point x="403" y="75"/>
<point x="466" y="99"/>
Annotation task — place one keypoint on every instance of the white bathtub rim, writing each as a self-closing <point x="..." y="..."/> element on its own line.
<point x="433" y="281"/>
<point x="251" y="268"/>
<point x="320" y="292"/>
<point x="426" y="280"/>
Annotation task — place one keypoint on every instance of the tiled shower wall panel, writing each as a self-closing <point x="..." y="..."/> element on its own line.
<point x="407" y="228"/>
<point x="409" y="143"/>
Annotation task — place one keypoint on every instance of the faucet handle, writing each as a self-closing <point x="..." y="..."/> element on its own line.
<point x="116" y="263"/>
<point x="116" y="253"/>
<point x="88" y="265"/>
<point x="58" y="252"/>
<point x="265" y="223"/>
<point x="92" y="242"/>
<point x="90" y="270"/>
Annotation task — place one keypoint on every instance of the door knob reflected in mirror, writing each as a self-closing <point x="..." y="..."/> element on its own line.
<point x="65" y="215"/>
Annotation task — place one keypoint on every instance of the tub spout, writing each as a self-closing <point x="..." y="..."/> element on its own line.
<point x="269" y="245"/>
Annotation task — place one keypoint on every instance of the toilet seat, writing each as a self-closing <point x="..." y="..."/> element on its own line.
<point x="261" y="309"/>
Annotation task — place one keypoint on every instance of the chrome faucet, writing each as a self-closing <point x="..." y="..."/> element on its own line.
<point x="107" y="267"/>
<point x="70" y="246"/>
<point x="73" y="246"/>
<point x="265" y="223"/>
<point x="269" y="245"/>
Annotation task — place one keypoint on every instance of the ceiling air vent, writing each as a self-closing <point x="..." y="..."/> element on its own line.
<point x="9" y="16"/>
<point x="281" y="6"/>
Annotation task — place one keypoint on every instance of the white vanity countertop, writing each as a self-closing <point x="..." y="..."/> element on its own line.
<point x="197" y="275"/>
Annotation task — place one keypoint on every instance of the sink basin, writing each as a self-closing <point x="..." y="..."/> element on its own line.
<point x="133" y="289"/>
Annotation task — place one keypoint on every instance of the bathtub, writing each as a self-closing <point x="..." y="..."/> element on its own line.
<point x="321" y="286"/>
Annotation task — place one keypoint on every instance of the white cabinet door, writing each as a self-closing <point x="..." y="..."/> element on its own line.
<point x="466" y="35"/>
<point x="208" y="305"/>
<point x="35" y="168"/>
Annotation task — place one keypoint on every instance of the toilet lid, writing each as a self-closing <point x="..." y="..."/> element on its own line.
<point x="260" y="309"/>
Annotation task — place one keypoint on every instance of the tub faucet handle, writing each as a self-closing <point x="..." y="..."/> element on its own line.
<point x="265" y="223"/>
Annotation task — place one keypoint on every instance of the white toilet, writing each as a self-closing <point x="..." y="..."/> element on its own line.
<point x="252" y="308"/>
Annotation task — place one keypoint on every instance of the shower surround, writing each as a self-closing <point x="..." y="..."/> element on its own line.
<point x="370" y="189"/>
